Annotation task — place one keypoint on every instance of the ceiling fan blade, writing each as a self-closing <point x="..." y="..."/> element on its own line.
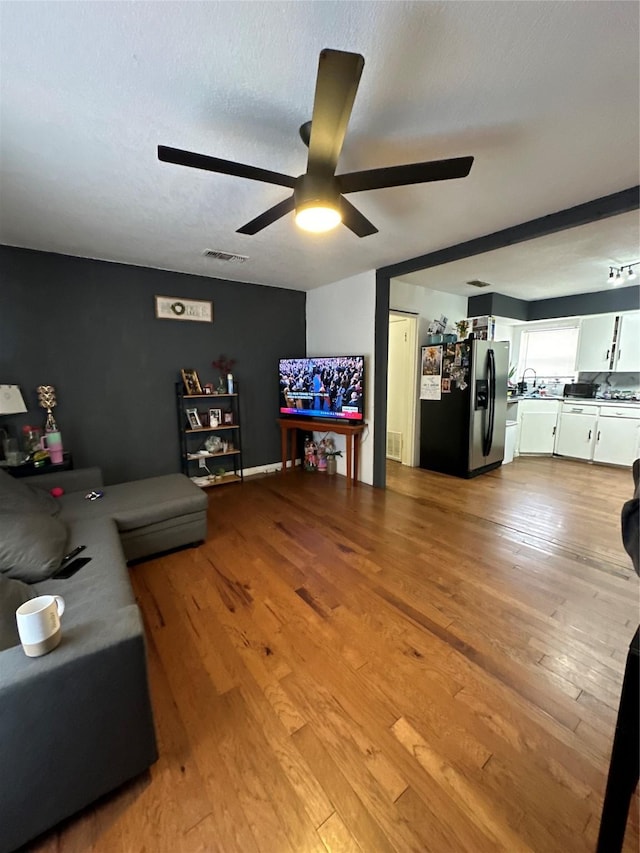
<point x="356" y="221"/>
<point x="224" y="167"/>
<point x="336" y="86"/>
<point x="400" y="176"/>
<point x="279" y="210"/>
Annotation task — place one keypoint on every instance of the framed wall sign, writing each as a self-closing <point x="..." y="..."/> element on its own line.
<point x="175" y="308"/>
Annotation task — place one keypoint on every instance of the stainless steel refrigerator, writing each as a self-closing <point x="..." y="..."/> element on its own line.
<point x="462" y="428"/>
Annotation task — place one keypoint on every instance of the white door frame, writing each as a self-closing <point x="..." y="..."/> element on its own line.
<point x="410" y="426"/>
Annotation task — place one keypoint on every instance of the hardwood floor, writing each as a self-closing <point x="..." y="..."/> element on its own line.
<point x="432" y="668"/>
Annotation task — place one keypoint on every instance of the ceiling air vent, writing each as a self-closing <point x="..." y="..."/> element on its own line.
<point x="477" y="283"/>
<point x="225" y="256"/>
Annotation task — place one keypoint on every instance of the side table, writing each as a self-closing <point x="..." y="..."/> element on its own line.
<point x="351" y="431"/>
<point x="28" y="469"/>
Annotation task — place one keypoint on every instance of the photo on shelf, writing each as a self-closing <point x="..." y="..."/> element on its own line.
<point x="215" y="417"/>
<point x="228" y="418"/>
<point x="194" y="419"/>
<point x="191" y="381"/>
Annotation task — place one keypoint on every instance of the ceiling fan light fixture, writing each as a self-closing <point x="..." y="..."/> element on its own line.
<point x="318" y="217"/>
<point x="318" y="194"/>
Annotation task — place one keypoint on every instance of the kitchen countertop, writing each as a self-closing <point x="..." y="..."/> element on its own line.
<point x="523" y="397"/>
<point x="605" y="403"/>
<point x="590" y="401"/>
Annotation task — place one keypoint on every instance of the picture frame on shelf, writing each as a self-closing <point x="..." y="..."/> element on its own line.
<point x="215" y="417"/>
<point x="228" y="418"/>
<point x="191" y="381"/>
<point x="193" y="418"/>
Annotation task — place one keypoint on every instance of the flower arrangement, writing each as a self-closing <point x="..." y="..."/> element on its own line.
<point x="331" y="452"/>
<point x="224" y="364"/>
<point x="462" y="327"/>
<point x="330" y="449"/>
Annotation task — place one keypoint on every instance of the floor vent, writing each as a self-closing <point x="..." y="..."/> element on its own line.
<point x="394" y="446"/>
<point x="217" y="255"/>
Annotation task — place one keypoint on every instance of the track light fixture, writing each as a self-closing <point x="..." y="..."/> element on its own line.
<point x="616" y="274"/>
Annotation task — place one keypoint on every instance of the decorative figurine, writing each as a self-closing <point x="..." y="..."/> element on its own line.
<point x="47" y="400"/>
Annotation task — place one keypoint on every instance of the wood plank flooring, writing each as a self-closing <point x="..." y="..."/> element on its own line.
<point x="435" y="667"/>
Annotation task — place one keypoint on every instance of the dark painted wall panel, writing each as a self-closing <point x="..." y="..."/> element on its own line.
<point x="498" y="305"/>
<point x="602" y="302"/>
<point x="89" y="328"/>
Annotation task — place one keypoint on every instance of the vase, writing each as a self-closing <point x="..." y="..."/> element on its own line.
<point x="332" y="465"/>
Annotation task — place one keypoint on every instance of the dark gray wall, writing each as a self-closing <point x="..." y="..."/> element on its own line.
<point x="497" y="305"/>
<point x="602" y="302"/>
<point x="89" y="328"/>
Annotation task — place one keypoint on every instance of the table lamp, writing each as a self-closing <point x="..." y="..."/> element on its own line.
<point x="11" y="403"/>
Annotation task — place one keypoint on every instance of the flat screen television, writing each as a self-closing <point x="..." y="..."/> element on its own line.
<point x="328" y="387"/>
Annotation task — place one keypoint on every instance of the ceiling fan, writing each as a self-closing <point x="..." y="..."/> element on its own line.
<point x="318" y="195"/>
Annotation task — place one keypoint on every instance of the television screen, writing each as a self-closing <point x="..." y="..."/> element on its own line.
<point x="329" y="387"/>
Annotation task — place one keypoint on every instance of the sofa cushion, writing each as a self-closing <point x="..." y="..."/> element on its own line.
<point x="16" y="496"/>
<point x="32" y="545"/>
<point x="100" y="587"/>
<point x="13" y="593"/>
<point x="140" y="502"/>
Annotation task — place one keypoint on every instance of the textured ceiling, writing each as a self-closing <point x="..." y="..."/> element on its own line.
<point x="577" y="260"/>
<point x="543" y="94"/>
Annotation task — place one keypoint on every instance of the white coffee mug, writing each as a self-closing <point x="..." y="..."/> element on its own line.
<point x="39" y="624"/>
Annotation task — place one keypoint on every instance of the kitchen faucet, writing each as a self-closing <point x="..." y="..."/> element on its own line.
<point x="522" y="385"/>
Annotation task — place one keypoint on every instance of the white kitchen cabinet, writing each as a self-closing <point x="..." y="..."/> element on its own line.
<point x="537" y="432"/>
<point x="617" y="436"/>
<point x="595" y="343"/>
<point x="537" y="426"/>
<point x="627" y="358"/>
<point x="576" y="432"/>
<point x="609" y="342"/>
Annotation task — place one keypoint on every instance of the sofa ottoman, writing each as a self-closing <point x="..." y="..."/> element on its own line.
<point x="152" y="515"/>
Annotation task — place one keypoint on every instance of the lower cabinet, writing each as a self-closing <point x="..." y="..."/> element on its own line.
<point x="537" y="421"/>
<point x="607" y="433"/>
<point x="576" y="434"/>
<point x="537" y="432"/>
<point x="617" y="440"/>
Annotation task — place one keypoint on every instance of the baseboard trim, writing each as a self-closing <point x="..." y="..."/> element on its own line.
<point x="273" y="468"/>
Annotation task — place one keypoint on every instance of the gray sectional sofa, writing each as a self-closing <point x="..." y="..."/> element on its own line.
<point x="77" y="722"/>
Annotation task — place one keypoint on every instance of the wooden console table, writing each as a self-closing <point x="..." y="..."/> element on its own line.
<point x="351" y="431"/>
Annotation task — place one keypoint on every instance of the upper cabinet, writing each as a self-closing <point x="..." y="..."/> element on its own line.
<point x="609" y="342"/>
<point x="627" y="357"/>
<point x="595" y="343"/>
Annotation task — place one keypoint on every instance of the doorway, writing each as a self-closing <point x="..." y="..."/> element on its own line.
<point x="402" y="367"/>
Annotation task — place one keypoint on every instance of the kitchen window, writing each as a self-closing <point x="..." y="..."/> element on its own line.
<point x="550" y="352"/>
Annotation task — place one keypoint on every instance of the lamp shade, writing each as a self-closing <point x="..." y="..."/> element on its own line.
<point x="11" y="402"/>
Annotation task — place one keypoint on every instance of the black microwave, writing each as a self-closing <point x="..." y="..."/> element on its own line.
<point x="580" y="390"/>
